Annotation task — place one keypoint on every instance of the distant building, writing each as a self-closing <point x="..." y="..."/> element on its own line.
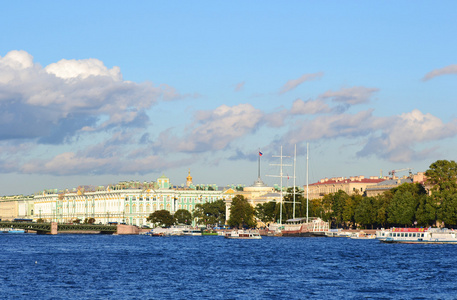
<point x="19" y="206"/>
<point x="394" y="182"/>
<point x="257" y="193"/>
<point x="351" y="185"/>
<point x="126" y="202"/>
<point x="189" y="180"/>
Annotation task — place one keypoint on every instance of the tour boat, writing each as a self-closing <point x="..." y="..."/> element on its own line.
<point x="420" y="236"/>
<point x="243" y="235"/>
<point x="298" y="227"/>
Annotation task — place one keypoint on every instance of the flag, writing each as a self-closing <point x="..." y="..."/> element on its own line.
<point x="260" y="153"/>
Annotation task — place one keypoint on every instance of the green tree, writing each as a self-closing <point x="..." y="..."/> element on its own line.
<point x="442" y="176"/>
<point x="241" y="213"/>
<point x="89" y="221"/>
<point x="364" y="214"/>
<point x="334" y="205"/>
<point x="350" y="206"/>
<point x="183" y="216"/>
<point x="315" y="208"/>
<point x="327" y="202"/>
<point x="266" y="212"/>
<point x="380" y="206"/>
<point x="402" y="209"/>
<point x="426" y="211"/>
<point x="288" y="204"/>
<point x="447" y="212"/>
<point x="161" y="218"/>
<point x="210" y="213"/>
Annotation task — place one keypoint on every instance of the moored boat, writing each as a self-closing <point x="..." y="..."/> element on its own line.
<point x="421" y="236"/>
<point x="11" y="230"/>
<point x="298" y="227"/>
<point x="243" y="235"/>
<point x="192" y="232"/>
<point x="361" y="235"/>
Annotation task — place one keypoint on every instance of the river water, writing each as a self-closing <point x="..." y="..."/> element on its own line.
<point x="140" y="267"/>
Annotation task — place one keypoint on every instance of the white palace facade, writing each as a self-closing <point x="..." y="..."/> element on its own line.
<point x="129" y="203"/>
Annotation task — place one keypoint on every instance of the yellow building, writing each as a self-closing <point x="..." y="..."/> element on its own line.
<point x="258" y="193"/>
<point x="16" y="207"/>
<point x="356" y="184"/>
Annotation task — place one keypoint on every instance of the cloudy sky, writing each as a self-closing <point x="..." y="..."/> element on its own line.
<point x="97" y="92"/>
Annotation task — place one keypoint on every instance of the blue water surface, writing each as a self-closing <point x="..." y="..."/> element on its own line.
<point x="140" y="267"/>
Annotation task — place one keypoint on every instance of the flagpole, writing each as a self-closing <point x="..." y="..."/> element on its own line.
<point x="259" y="154"/>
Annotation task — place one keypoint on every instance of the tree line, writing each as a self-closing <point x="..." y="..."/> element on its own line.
<point x="210" y="213"/>
<point x="410" y="204"/>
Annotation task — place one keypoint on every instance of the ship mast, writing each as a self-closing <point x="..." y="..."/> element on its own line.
<point x="295" y="162"/>
<point x="307" y="188"/>
<point x="281" y="175"/>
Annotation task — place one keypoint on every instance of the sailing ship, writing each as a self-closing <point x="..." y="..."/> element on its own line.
<point x="302" y="227"/>
<point x="305" y="227"/>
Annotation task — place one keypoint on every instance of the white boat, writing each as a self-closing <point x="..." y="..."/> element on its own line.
<point x="361" y="235"/>
<point x="243" y="235"/>
<point x="338" y="233"/>
<point x="298" y="227"/>
<point x="192" y="232"/>
<point x="11" y="230"/>
<point x="420" y="236"/>
<point x="382" y="234"/>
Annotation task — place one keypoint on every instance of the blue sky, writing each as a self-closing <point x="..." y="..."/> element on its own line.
<point x="104" y="91"/>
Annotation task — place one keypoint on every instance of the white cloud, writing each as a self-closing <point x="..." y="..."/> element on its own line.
<point x="71" y="163"/>
<point x="17" y="59"/>
<point x="399" y="136"/>
<point x="293" y="83"/>
<point x="68" y="69"/>
<point x="451" y="69"/>
<point x="402" y="133"/>
<point x="310" y="107"/>
<point x="351" y="96"/>
<point x="214" y="129"/>
<point x="330" y="126"/>
<point x="394" y="138"/>
<point x="55" y="103"/>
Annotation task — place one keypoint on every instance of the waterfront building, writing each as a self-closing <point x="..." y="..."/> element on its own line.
<point x="352" y="185"/>
<point x="126" y="202"/>
<point x="18" y="206"/>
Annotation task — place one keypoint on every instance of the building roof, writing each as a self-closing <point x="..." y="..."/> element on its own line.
<point x="348" y="180"/>
<point x="396" y="181"/>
